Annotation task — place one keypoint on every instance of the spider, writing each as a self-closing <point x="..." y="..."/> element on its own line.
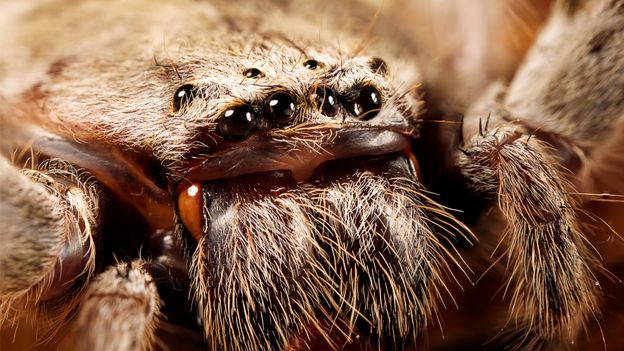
<point x="230" y="177"/>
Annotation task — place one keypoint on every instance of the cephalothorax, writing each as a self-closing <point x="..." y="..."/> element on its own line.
<point x="225" y="166"/>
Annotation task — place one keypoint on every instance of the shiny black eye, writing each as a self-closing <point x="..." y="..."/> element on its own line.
<point x="311" y="64"/>
<point x="183" y="97"/>
<point x="363" y="102"/>
<point x="253" y="73"/>
<point x="237" y="122"/>
<point x="281" y="107"/>
<point x="326" y="101"/>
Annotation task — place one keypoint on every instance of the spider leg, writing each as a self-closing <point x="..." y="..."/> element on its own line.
<point x="48" y="217"/>
<point x="118" y="311"/>
<point x="553" y="291"/>
<point x="567" y="96"/>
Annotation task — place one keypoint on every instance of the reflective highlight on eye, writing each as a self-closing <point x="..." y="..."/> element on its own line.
<point x="237" y="122"/>
<point x="364" y="102"/>
<point x="311" y="64"/>
<point x="183" y="97"/>
<point x="253" y="73"/>
<point x="281" y="108"/>
<point x="326" y="101"/>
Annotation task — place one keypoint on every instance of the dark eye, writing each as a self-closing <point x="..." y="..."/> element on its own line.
<point x="281" y="107"/>
<point x="253" y="73"/>
<point x="364" y="102"/>
<point x="326" y="101"/>
<point x="379" y="66"/>
<point x="237" y="122"/>
<point x="311" y="64"/>
<point x="183" y="97"/>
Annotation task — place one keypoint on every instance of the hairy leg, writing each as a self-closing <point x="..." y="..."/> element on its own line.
<point x="567" y="96"/>
<point x="118" y="311"/>
<point x="552" y="288"/>
<point x="49" y="216"/>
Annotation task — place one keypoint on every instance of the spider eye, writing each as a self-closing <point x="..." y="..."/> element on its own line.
<point x="326" y="101"/>
<point x="253" y="73"/>
<point x="311" y="64"/>
<point x="378" y="66"/>
<point x="237" y="122"/>
<point x="281" y="107"/>
<point x="183" y="97"/>
<point x="364" y="102"/>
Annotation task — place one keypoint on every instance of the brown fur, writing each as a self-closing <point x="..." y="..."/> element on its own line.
<point x="365" y="254"/>
<point x="122" y="301"/>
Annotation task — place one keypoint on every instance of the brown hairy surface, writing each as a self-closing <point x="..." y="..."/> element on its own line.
<point x="292" y="175"/>
<point x="120" y="299"/>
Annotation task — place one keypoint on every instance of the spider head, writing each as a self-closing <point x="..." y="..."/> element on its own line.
<point x="296" y="191"/>
<point x="300" y="191"/>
